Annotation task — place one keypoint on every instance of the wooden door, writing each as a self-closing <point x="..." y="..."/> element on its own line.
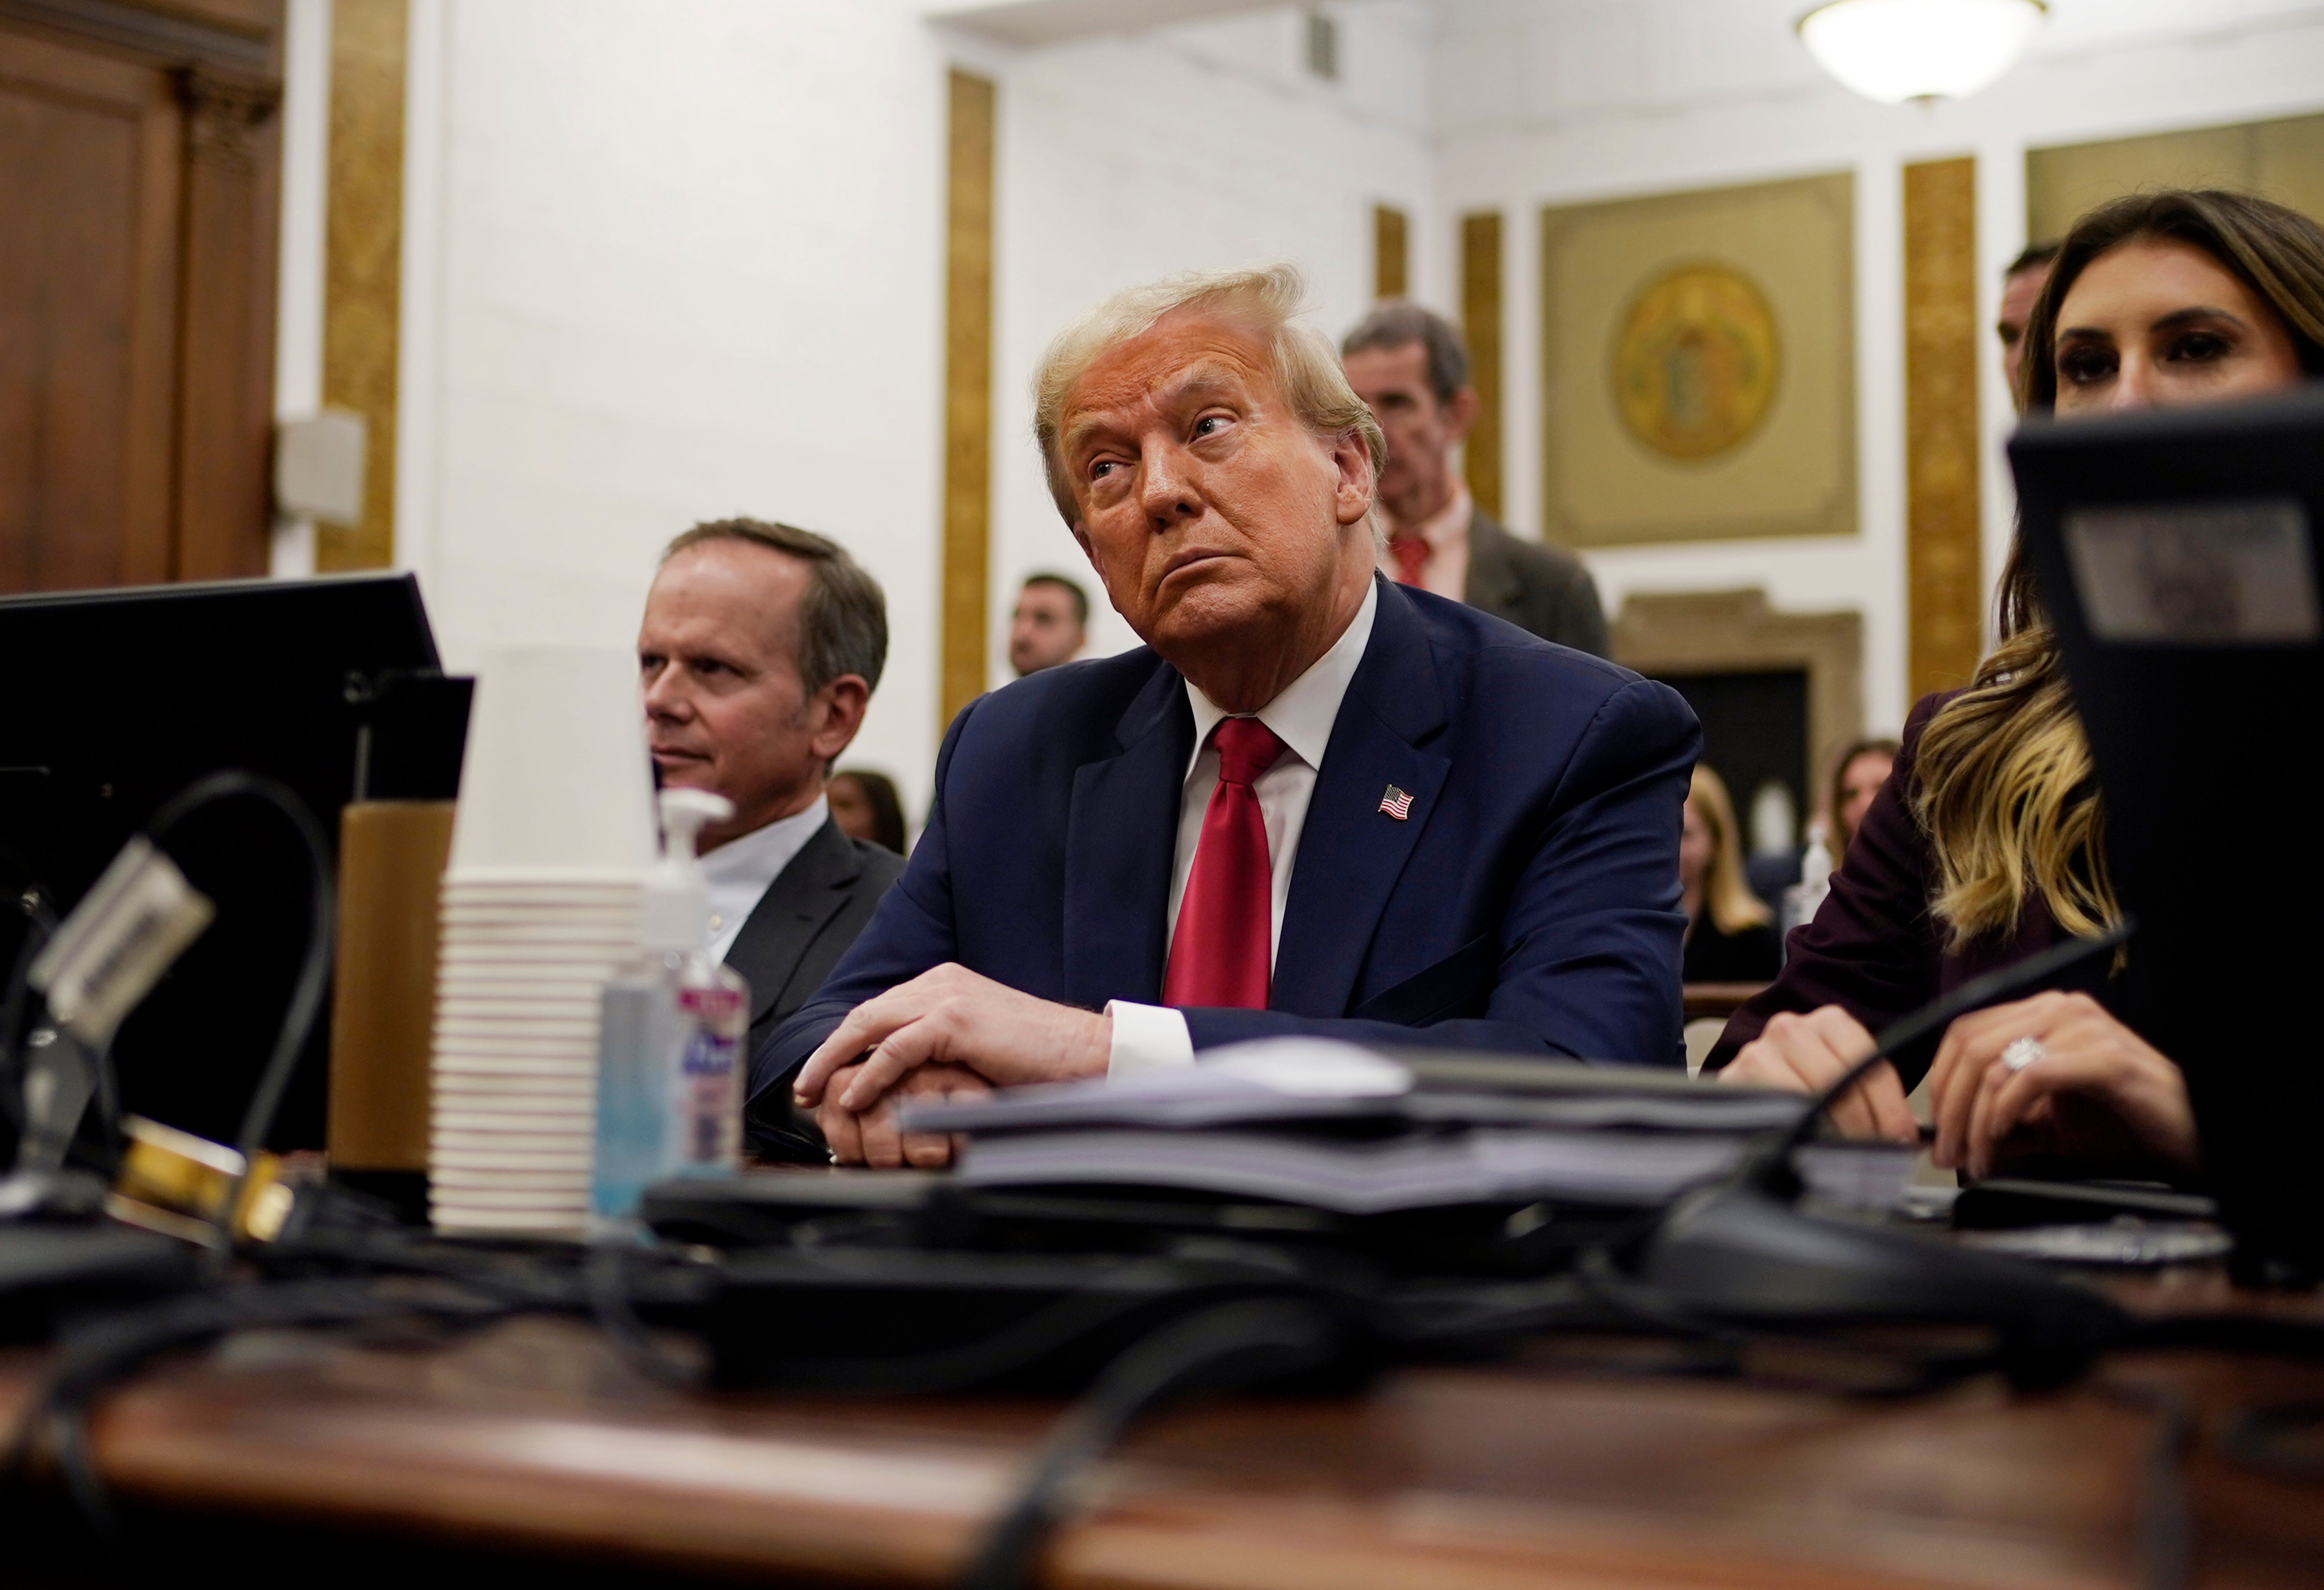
<point x="137" y="213"/>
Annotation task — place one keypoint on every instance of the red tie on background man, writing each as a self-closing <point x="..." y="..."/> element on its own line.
<point x="1411" y="557"/>
<point x="1220" y="954"/>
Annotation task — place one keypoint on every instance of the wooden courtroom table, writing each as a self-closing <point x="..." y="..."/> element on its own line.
<point x="531" y="1438"/>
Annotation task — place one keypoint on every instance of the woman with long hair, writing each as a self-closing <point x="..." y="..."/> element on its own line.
<point x="1988" y="842"/>
<point x="1728" y="937"/>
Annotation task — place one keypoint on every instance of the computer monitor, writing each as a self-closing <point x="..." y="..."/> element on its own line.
<point x="2176" y="553"/>
<point x="119" y="698"/>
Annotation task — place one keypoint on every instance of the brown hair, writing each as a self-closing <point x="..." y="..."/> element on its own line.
<point x="1726" y="896"/>
<point x="1399" y="323"/>
<point x="1871" y="744"/>
<point x="843" y="626"/>
<point x="2002" y="775"/>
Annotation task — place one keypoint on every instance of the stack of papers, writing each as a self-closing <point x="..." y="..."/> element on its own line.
<point x="1341" y="1128"/>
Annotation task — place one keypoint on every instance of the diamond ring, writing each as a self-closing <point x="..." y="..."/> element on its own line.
<point x="2022" y="1052"/>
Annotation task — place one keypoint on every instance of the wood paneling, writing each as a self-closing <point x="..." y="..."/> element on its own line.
<point x="1480" y="322"/>
<point x="226" y="409"/>
<point x="138" y="163"/>
<point x="968" y="392"/>
<point x="1736" y="632"/>
<point x="1945" y="584"/>
<point x="363" y="262"/>
<point x="1391" y="252"/>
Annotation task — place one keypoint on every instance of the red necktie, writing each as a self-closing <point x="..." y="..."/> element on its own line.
<point x="1411" y="557"/>
<point x="1220" y="954"/>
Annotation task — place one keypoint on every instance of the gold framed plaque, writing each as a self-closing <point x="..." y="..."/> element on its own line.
<point x="1698" y="366"/>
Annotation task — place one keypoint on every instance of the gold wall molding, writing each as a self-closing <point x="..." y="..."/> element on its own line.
<point x="1736" y="632"/>
<point x="1481" y="323"/>
<point x="1391" y="252"/>
<point x="1945" y="583"/>
<point x="363" y="251"/>
<point x="968" y="393"/>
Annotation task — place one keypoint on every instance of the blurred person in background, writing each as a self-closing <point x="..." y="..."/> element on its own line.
<point x="1730" y="936"/>
<point x="759" y="652"/>
<point x="1412" y="371"/>
<point x="1050" y="625"/>
<point x="1857" y="775"/>
<point x="1984" y="846"/>
<point x="866" y="805"/>
<point x="2021" y="285"/>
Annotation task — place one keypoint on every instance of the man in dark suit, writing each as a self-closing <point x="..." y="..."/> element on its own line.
<point x="1411" y="368"/>
<point x="1315" y="803"/>
<point x="760" y="649"/>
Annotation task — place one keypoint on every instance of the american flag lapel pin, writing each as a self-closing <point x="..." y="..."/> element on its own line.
<point x="1397" y="803"/>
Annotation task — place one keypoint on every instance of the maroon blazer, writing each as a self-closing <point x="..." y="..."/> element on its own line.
<point x="1875" y="949"/>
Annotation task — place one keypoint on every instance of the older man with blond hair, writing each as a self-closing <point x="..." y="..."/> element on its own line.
<point x="1314" y="802"/>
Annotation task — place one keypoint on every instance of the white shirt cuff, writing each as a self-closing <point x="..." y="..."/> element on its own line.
<point x="1147" y="1037"/>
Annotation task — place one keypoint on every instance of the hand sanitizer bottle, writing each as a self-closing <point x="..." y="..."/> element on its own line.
<point x="670" y="1055"/>
<point x="1802" y="899"/>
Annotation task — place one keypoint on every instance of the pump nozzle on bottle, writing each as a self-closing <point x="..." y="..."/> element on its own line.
<point x="678" y="897"/>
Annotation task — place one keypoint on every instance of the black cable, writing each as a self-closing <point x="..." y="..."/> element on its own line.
<point x="1231" y="1344"/>
<point x="39" y="926"/>
<point x="612" y="1307"/>
<point x="115" y="1345"/>
<point x="314" y="970"/>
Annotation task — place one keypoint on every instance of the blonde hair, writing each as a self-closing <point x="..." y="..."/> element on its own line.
<point x="2003" y="782"/>
<point x="1304" y="366"/>
<point x="1725" y="895"/>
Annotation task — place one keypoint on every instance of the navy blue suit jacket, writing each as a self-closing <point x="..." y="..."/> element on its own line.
<point x="1529" y="901"/>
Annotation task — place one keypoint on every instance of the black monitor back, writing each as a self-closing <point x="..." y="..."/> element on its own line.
<point x="2175" y="551"/>
<point x="120" y="699"/>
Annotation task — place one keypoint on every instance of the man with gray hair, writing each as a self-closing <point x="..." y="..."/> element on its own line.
<point x="759" y="651"/>
<point x="1411" y="368"/>
<point x="1314" y="802"/>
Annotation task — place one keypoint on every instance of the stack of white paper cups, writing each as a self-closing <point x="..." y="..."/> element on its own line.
<point x="550" y="850"/>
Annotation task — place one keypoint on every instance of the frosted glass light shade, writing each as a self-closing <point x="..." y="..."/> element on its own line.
<point x="1892" y="51"/>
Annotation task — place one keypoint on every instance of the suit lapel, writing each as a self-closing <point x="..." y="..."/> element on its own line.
<point x="1120" y="837"/>
<point x="1350" y="852"/>
<point x="779" y="929"/>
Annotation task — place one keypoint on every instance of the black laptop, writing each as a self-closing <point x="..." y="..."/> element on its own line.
<point x="2176" y="551"/>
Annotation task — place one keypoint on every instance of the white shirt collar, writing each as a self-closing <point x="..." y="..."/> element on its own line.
<point x="758" y="856"/>
<point x="1303" y="711"/>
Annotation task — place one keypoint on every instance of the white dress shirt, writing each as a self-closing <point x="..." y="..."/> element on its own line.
<point x="1149" y="1036"/>
<point x="1446" y="572"/>
<point x="740" y="871"/>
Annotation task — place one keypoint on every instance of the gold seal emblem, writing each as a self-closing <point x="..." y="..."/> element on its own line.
<point x="1696" y="366"/>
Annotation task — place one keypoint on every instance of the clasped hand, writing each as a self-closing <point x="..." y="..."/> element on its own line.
<point x="946" y="1033"/>
<point x="2098" y="1096"/>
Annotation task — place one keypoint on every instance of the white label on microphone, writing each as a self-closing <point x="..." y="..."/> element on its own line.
<point x="2196" y="574"/>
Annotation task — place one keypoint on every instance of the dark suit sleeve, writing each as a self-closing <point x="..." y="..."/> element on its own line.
<point x="1589" y="942"/>
<point x="1873" y="949"/>
<point x="911" y="932"/>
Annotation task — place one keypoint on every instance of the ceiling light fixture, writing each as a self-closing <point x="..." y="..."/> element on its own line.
<point x="1892" y="51"/>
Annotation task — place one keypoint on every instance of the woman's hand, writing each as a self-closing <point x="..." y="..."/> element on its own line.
<point x="1807" y="1054"/>
<point x="2089" y="1089"/>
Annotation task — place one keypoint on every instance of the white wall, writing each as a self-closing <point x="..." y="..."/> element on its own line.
<point x="1555" y="101"/>
<point x="664" y="265"/>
